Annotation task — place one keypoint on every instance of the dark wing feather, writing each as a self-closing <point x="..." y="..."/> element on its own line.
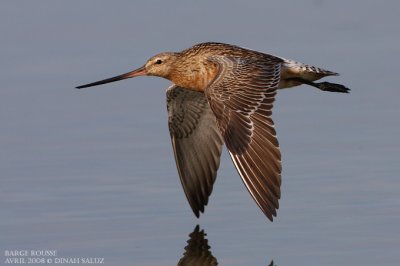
<point x="242" y="97"/>
<point x="197" y="144"/>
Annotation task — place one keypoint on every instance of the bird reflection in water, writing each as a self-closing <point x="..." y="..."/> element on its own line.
<point x="198" y="252"/>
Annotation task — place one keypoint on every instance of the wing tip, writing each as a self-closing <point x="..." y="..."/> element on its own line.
<point x="197" y="211"/>
<point x="270" y="216"/>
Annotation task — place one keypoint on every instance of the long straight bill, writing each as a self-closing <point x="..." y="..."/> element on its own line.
<point x="138" y="72"/>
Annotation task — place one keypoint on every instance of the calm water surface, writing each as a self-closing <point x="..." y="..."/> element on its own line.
<point x="90" y="173"/>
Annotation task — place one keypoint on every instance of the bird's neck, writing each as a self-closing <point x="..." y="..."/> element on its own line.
<point x="193" y="74"/>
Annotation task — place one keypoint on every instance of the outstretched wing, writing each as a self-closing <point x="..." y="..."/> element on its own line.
<point x="197" y="143"/>
<point x="241" y="97"/>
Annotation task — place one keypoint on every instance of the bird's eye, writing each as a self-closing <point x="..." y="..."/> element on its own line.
<point x="158" y="62"/>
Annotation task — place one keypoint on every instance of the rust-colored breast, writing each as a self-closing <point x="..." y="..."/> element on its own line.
<point x="194" y="75"/>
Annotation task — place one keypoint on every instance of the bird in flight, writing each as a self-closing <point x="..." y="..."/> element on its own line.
<point x="223" y="93"/>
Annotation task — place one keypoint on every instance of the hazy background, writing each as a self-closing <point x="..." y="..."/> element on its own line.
<point x="91" y="173"/>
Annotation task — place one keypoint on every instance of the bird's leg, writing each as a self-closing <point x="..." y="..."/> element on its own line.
<point x="324" y="86"/>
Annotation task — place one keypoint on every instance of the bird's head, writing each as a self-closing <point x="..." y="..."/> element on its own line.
<point x="160" y="65"/>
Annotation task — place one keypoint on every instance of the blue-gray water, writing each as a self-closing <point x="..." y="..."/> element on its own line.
<point x="90" y="173"/>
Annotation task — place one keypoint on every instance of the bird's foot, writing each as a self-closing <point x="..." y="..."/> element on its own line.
<point x="327" y="86"/>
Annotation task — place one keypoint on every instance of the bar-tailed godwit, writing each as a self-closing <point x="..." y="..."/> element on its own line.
<point x="220" y="94"/>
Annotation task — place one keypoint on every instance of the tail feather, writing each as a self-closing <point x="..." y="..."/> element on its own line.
<point x="296" y="73"/>
<point x="294" y="69"/>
